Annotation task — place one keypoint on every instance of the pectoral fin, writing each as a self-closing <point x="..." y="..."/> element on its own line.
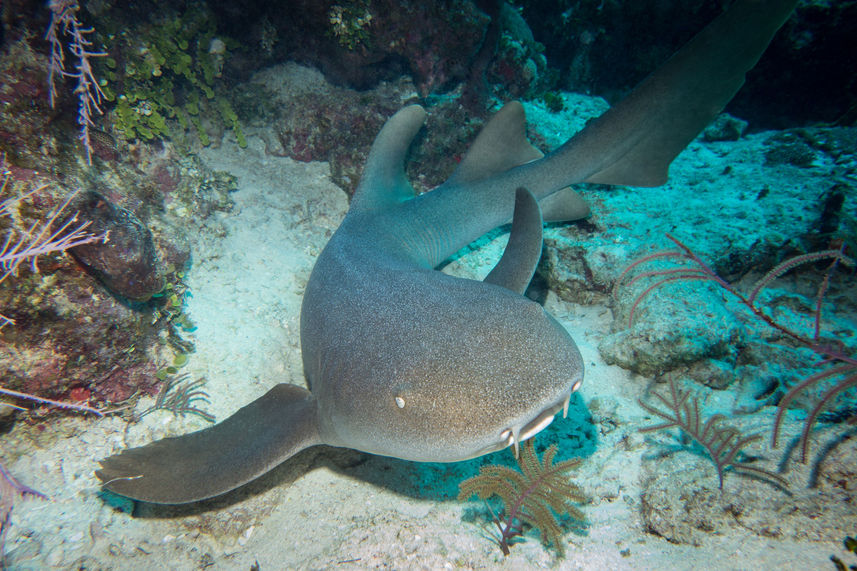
<point x="220" y="458"/>
<point x="563" y="205"/>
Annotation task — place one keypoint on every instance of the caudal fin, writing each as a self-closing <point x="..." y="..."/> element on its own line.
<point x="635" y="141"/>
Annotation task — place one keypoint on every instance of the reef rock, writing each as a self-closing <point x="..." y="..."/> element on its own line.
<point x="126" y="262"/>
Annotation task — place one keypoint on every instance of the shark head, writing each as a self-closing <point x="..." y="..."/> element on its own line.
<point x="481" y="369"/>
<point x="526" y="384"/>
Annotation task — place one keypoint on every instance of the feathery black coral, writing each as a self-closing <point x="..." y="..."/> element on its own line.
<point x="178" y="395"/>
<point x="722" y="443"/>
<point x="531" y="496"/>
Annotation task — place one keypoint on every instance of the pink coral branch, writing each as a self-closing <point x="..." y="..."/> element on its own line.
<point x="791" y="263"/>
<point x="11" y="482"/>
<point x="702" y="271"/>
<point x="682" y="276"/>
<point x="842" y="367"/>
<point x="38" y="240"/>
<point x="64" y="22"/>
<point x="56" y="403"/>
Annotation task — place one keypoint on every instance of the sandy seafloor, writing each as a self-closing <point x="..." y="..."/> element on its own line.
<point x="339" y="509"/>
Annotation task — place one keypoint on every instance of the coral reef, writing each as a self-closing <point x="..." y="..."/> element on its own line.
<point x="164" y="74"/>
<point x="74" y="339"/>
<point x="359" y="43"/>
<point x="25" y="112"/>
<point x="345" y="122"/>
<point x="690" y="512"/>
<point x="35" y="357"/>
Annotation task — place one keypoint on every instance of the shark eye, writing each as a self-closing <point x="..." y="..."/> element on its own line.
<point x="400" y="402"/>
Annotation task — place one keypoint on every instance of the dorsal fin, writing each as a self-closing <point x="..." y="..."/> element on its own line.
<point x="501" y="145"/>
<point x="384" y="182"/>
<point x="518" y="262"/>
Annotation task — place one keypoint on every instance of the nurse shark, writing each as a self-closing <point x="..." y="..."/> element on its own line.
<point x="406" y="361"/>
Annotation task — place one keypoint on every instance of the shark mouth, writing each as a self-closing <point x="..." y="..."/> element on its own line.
<point x="513" y="436"/>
